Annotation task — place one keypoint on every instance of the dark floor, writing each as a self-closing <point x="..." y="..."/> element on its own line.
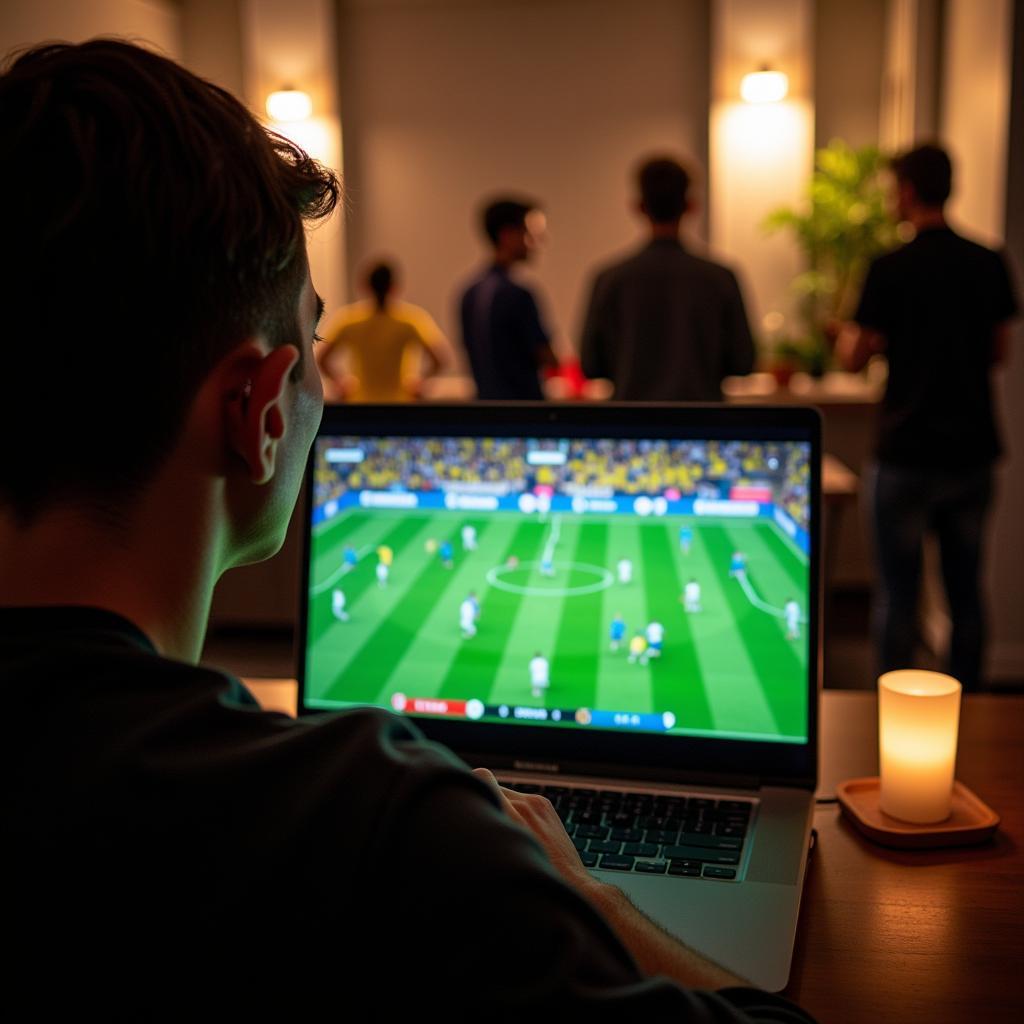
<point x="848" y="656"/>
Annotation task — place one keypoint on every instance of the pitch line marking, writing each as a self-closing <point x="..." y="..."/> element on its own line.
<point x="342" y="570"/>
<point x="604" y="580"/>
<point x="748" y="589"/>
<point x="552" y="541"/>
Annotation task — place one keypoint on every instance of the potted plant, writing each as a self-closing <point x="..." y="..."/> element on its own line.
<point x="843" y="224"/>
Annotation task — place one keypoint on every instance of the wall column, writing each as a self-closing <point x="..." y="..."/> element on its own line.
<point x="761" y="155"/>
<point x="294" y="42"/>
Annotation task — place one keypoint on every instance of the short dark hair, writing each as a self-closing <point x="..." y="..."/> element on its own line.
<point x="663" y="184"/>
<point x="379" y="278"/>
<point x="504" y="212"/>
<point x="928" y="170"/>
<point x="151" y="225"/>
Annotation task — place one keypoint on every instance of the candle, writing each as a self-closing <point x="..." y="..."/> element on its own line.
<point x="918" y="718"/>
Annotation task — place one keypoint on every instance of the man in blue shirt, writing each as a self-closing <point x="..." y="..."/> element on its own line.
<point x="502" y="331"/>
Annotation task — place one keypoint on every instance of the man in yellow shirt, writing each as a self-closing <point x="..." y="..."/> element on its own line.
<point x="386" y="343"/>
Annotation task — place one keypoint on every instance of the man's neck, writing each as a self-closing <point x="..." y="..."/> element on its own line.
<point x="668" y="231"/>
<point x="924" y="217"/>
<point x="158" y="573"/>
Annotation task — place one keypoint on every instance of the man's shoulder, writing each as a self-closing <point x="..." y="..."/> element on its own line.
<point x="711" y="270"/>
<point x="946" y="247"/>
<point x="346" y="319"/>
<point x="416" y="317"/>
<point x="675" y="258"/>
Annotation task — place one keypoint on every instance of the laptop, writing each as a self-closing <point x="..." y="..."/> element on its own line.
<point x="614" y="605"/>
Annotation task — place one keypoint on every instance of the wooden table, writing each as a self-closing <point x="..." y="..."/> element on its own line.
<point x="885" y="935"/>
<point x="935" y="936"/>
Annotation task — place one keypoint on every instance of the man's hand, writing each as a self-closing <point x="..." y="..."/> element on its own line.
<point x="537" y="816"/>
<point x="855" y="345"/>
<point x="655" y="950"/>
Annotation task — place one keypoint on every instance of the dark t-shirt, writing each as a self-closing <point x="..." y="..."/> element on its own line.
<point x="665" y="325"/>
<point x="170" y="846"/>
<point x="502" y="333"/>
<point x="937" y="301"/>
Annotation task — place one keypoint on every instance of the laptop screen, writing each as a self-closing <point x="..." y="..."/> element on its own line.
<point x="657" y="585"/>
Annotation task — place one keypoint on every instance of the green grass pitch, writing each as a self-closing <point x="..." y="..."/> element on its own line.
<point x="729" y="669"/>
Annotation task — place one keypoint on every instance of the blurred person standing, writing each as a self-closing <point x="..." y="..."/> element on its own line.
<point x="664" y="324"/>
<point x="939" y="309"/>
<point x="505" y="339"/>
<point x="387" y="343"/>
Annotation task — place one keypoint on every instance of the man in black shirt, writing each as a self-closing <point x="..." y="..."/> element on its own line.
<point x="664" y="324"/>
<point x="939" y="309"/>
<point x="502" y="331"/>
<point x="172" y="850"/>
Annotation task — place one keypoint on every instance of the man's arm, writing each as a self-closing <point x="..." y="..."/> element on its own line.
<point x="593" y="346"/>
<point x="855" y="345"/>
<point x="740" y="351"/>
<point x="536" y="334"/>
<point x="1001" y="344"/>
<point x="655" y="951"/>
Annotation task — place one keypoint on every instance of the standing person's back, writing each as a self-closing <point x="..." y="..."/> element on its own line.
<point x="937" y="300"/>
<point x="502" y="332"/>
<point x="385" y="341"/>
<point x="664" y="324"/>
<point x="938" y="308"/>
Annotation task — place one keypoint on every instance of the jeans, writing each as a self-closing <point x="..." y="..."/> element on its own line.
<point x="906" y="504"/>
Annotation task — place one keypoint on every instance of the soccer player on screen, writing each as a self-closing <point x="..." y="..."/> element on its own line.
<point x="446" y="553"/>
<point x="792" y="614"/>
<point x="637" y="647"/>
<point x="655" y="638"/>
<point x="685" y="539"/>
<point x="385" y="556"/>
<point x="469" y="612"/>
<point x="469" y="537"/>
<point x="349" y="557"/>
<point x="338" y="605"/>
<point x="540" y="671"/>
<point x="691" y="597"/>
<point x="625" y="570"/>
<point x="738" y="563"/>
<point x="617" y="631"/>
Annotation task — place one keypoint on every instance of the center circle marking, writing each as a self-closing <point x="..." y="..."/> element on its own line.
<point x="603" y="580"/>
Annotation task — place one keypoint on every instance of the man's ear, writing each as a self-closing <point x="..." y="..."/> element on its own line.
<point x="257" y="406"/>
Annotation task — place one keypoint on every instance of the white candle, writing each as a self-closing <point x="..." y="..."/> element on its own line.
<point x="918" y="718"/>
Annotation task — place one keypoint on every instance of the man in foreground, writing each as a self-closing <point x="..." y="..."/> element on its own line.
<point x="505" y="341"/>
<point x="663" y="324"/>
<point x="939" y="309"/>
<point x="171" y="848"/>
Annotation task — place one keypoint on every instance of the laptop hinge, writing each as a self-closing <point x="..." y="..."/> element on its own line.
<point x="635" y="774"/>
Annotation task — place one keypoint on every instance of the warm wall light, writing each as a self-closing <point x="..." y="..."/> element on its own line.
<point x="918" y="716"/>
<point x="764" y="86"/>
<point x="289" y="105"/>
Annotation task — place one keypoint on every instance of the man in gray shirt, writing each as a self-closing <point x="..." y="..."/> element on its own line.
<point x="664" y="324"/>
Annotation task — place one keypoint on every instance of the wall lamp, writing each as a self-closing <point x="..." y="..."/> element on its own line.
<point x="764" y="86"/>
<point x="288" y="104"/>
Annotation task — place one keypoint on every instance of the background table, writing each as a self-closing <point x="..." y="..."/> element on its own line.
<point x="886" y="935"/>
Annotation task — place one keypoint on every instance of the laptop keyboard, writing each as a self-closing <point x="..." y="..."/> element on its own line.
<point x="616" y="830"/>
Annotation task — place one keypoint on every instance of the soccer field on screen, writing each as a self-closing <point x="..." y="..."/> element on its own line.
<point x="733" y="668"/>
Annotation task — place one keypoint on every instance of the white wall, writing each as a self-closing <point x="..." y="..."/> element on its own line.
<point x="445" y="102"/>
<point x="35" y="21"/>
<point x="761" y="154"/>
